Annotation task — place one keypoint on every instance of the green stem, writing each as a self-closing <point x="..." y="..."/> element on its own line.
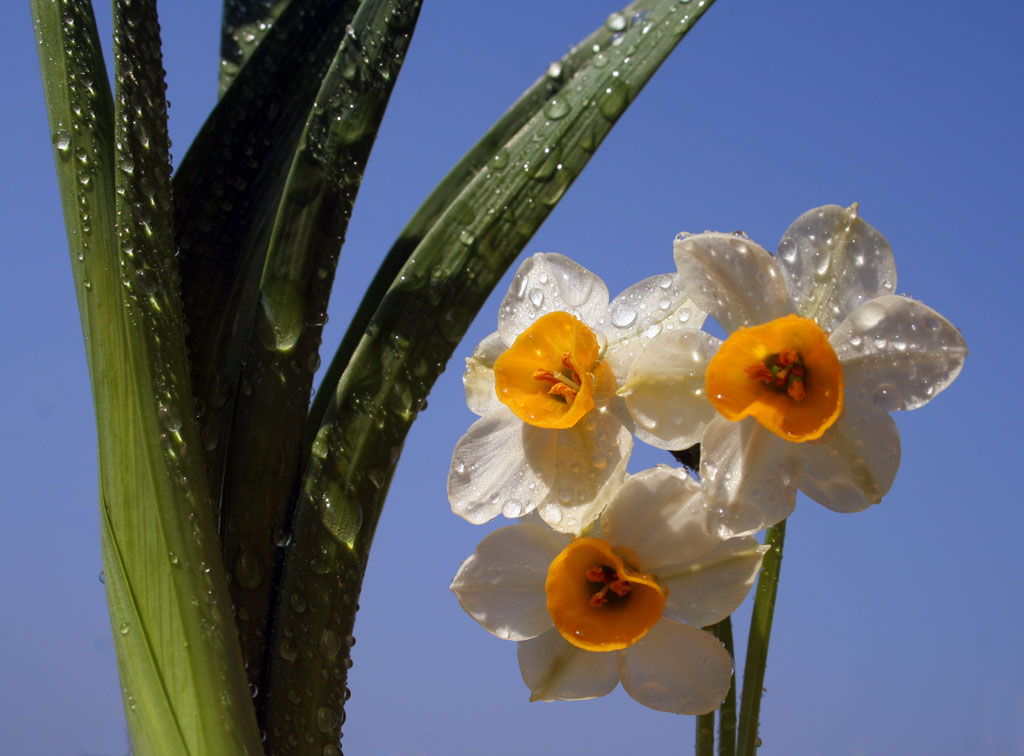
<point x="727" y="712"/>
<point x="706" y="734"/>
<point x="757" y="643"/>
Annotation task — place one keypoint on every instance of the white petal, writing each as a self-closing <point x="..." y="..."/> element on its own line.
<point x="748" y="475"/>
<point x="854" y="464"/>
<point x="490" y="474"/>
<point x="659" y="515"/>
<point x="733" y="279"/>
<point x="501" y="585"/>
<point x="677" y="668"/>
<point x="833" y="261"/>
<point x="654" y="306"/>
<point x="555" y="670"/>
<point x="479" y="376"/>
<point x="573" y="465"/>
<point x="664" y="390"/>
<point x="549" y="283"/>
<point x="897" y="353"/>
<point x="707" y="590"/>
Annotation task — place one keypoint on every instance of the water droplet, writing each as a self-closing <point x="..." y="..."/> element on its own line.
<point x="613" y="98"/>
<point x="248" y="570"/>
<point x="622" y="315"/>
<point x="500" y="159"/>
<point x="554" y="71"/>
<point x="512" y="509"/>
<point x="557" y="107"/>
<point x="616" y="22"/>
<point x="103" y="577"/>
<point x="62" y="140"/>
<point x="125" y="627"/>
<point x="326" y="720"/>
<point x="170" y="418"/>
<point x="283" y="538"/>
<point x="283" y="309"/>
<point x="288" y="651"/>
<point x="319" y="447"/>
<point x="330" y="644"/>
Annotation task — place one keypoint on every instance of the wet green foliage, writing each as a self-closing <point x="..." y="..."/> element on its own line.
<point x="203" y="299"/>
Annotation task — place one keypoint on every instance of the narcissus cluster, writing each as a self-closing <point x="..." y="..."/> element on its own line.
<point x="608" y="577"/>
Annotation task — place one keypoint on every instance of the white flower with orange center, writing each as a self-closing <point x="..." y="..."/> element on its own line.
<point x="819" y="352"/>
<point x="623" y="603"/>
<point x="552" y="431"/>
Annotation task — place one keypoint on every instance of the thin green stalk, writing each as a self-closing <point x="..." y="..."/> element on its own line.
<point x="727" y="712"/>
<point x="757" y="643"/>
<point x="706" y="734"/>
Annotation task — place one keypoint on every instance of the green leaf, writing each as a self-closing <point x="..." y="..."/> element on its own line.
<point x="244" y="25"/>
<point x="472" y="238"/>
<point x="555" y="79"/>
<point x="262" y="469"/>
<point x="227" y="191"/>
<point x="180" y="666"/>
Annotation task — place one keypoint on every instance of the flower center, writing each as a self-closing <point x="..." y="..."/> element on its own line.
<point x="783" y="373"/>
<point x="547" y="376"/>
<point x="597" y="601"/>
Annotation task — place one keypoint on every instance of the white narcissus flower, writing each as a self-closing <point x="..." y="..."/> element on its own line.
<point x="625" y="603"/>
<point x="819" y="352"/>
<point x="552" y="431"/>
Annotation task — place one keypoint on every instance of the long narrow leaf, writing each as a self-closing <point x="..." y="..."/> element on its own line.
<point x="180" y="666"/>
<point x="411" y="336"/>
<point x="226" y="193"/>
<point x="262" y="469"/>
<point x="555" y="79"/>
<point x="244" y="25"/>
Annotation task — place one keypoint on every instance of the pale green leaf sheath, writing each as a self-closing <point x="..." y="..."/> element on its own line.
<point x="468" y="240"/>
<point x="181" y="673"/>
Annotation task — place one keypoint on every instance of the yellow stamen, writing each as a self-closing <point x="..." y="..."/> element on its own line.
<point x="784" y="374"/>
<point x="547" y="376"/>
<point x="597" y="601"/>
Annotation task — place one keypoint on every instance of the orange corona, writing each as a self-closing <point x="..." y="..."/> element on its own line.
<point x="547" y="376"/>
<point x="783" y="373"/>
<point x="597" y="601"/>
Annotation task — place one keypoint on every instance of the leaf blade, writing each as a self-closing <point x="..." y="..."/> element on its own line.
<point x="179" y="677"/>
<point x="412" y="333"/>
<point x="261" y="469"/>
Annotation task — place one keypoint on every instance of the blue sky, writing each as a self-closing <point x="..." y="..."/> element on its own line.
<point x="897" y="630"/>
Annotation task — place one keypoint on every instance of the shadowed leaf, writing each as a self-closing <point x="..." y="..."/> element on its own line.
<point x="470" y="235"/>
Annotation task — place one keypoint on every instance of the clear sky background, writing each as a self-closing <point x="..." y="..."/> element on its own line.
<point x="897" y="631"/>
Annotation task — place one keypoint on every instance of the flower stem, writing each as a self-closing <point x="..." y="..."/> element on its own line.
<point x="757" y="643"/>
<point x="727" y="713"/>
<point x="706" y="734"/>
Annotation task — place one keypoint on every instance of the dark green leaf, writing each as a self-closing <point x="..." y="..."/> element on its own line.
<point x="469" y="238"/>
<point x="227" y="191"/>
<point x="262" y="468"/>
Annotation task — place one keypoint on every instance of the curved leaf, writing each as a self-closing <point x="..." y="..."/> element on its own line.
<point x="262" y="469"/>
<point x="463" y="252"/>
<point x="178" y="657"/>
